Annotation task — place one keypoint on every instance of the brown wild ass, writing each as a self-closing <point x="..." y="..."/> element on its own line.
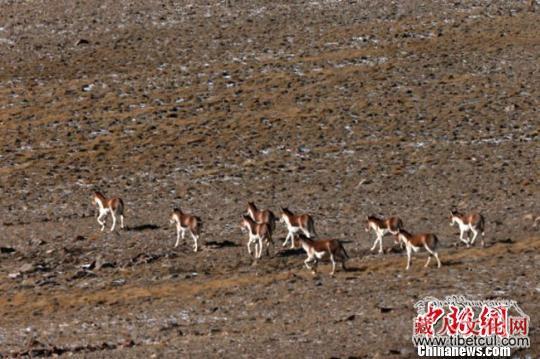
<point x="261" y="216"/>
<point x="382" y="227"/>
<point x="472" y="222"/>
<point x="186" y="223"/>
<point x="322" y="249"/>
<point x="105" y="205"/>
<point x="417" y="242"/>
<point x="259" y="233"/>
<point x="297" y="223"/>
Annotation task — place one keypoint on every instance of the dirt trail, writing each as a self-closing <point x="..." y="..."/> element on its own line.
<point x="128" y="295"/>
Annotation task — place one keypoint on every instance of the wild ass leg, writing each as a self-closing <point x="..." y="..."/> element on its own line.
<point x="122" y="221"/>
<point x="395" y="233"/>
<point x="307" y="261"/>
<point x="268" y="240"/>
<point x="100" y="221"/>
<point x="438" y="261"/>
<point x="177" y="236"/>
<point x="434" y="254"/>
<point x="380" y="243"/>
<point x="408" y="257"/>
<point x="286" y="240"/>
<point x="289" y="235"/>
<point x="113" y="215"/>
<point x="474" y="234"/>
<point x="333" y="264"/>
<point x="292" y="239"/>
<point x="249" y="246"/>
<point x="379" y="240"/>
<point x="260" y="241"/>
<point x="461" y="236"/>
<point x="195" y="239"/>
<point x="315" y="264"/>
<point x="483" y="242"/>
<point x="375" y="243"/>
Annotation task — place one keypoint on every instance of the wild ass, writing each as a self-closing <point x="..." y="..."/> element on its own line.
<point x="261" y="216"/>
<point x="186" y="223"/>
<point x="259" y="233"/>
<point x="417" y="242"/>
<point x="297" y="223"/>
<point x="472" y="222"/>
<point x="382" y="227"/>
<point x="114" y="206"/>
<point x="322" y="249"/>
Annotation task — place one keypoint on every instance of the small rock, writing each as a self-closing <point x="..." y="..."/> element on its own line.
<point x="82" y="42"/>
<point x="127" y="343"/>
<point x="46" y="281"/>
<point x="101" y="263"/>
<point x="119" y="282"/>
<point x="87" y="88"/>
<point x="83" y="273"/>
<point x="27" y="268"/>
<point x="89" y="266"/>
<point x="6" y="250"/>
<point x="14" y="275"/>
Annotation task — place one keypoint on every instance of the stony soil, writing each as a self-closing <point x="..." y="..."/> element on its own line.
<point x="336" y="108"/>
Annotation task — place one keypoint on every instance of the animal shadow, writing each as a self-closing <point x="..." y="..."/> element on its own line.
<point x="356" y="269"/>
<point x="289" y="252"/>
<point x="452" y="262"/>
<point x="143" y="227"/>
<point x="223" y="244"/>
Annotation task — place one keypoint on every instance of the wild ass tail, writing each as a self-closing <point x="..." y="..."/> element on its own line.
<point x="311" y="227"/>
<point x="435" y="242"/>
<point x="273" y="220"/>
<point x="481" y="225"/>
<point x="120" y="208"/>
<point x="199" y="225"/>
<point x="342" y="248"/>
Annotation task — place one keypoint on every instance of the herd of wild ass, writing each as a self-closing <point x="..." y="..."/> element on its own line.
<point x="261" y="224"/>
